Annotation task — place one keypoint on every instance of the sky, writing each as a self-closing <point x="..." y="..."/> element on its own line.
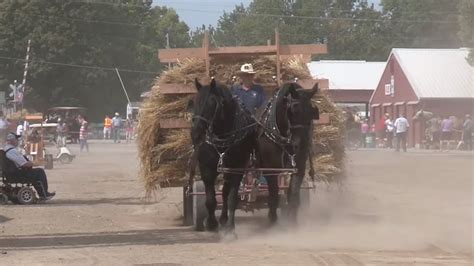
<point x="205" y="12"/>
<point x="191" y="11"/>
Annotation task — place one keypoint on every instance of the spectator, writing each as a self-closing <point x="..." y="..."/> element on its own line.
<point x="129" y="129"/>
<point x="116" y="127"/>
<point x="107" y="127"/>
<point x="446" y="132"/>
<point x="83" y="133"/>
<point x="389" y="130"/>
<point x="61" y="130"/>
<point x="25" y="168"/>
<point x="401" y="126"/>
<point x="364" y="130"/>
<point x="435" y="129"/>
<point x="467" y="132"/>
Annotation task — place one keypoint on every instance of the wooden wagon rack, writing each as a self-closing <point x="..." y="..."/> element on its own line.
<point x="206" y="53"/>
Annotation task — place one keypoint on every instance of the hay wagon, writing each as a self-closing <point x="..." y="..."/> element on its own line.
<point x="253" y="192"/>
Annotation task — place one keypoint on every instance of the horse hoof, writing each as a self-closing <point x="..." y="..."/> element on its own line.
<point x="223" y="220"/>
<point x="229" y="235"/>
<point x="272" y="218"/>
<point x="211" y="225"/>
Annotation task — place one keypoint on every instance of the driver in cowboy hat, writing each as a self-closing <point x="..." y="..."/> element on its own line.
<point x="251" y="94"/>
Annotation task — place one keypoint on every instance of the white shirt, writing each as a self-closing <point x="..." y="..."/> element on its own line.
<point x="14" y="155"/>
<point x="389" y="125"/>
<point x="401" y="124"/>
<point x="19" y="130"/>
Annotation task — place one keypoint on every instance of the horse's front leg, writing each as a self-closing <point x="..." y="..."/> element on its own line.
<point x="225" y="199"/>
<point x="273" y="198"/>
<point x="294" y="197"/>
<point x="232" y="201"/>
<point x="209" y="179"/>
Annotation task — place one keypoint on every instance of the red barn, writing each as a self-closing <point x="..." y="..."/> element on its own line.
<point x="436" y="80"/>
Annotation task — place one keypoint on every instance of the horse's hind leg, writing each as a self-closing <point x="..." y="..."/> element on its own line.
<point x="273" y="198"/>
<point x="209" y="180"/>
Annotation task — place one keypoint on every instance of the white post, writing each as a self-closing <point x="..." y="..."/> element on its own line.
<point x="123" y="87"/>
<point x="25" y="73"/>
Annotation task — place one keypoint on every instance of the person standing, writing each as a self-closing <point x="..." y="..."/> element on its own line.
<point x="129" y="129"/>
<point x="401" y="127"/>
<point x="364" y="130"/>
<point x="83" y="131"/>
<point x="61" y="130"/>
<point x="251" y="94"/>
<point x="446" y="132"/>
<point x="467" y="132"/>
<point x="107" y="127"/>
<point x="389" y="130"/>
<point x="116" y="127"/>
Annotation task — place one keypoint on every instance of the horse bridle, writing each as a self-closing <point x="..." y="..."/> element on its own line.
<point x="208" y="122"/>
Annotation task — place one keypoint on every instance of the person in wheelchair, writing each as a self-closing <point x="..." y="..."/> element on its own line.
<point x="22" y="167"/>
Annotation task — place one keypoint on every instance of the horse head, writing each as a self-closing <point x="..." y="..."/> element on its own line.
<point x="211" y="109"/>
<point x="301" y="114"/>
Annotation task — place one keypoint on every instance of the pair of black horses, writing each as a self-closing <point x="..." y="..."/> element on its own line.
<point x="224" y="133"/>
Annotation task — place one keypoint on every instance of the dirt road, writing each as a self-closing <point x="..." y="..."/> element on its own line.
<point x="398" y="209"/>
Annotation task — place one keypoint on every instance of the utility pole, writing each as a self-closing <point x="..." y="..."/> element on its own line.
<point x="167" y="36"/>
<point x="25" y="73"/>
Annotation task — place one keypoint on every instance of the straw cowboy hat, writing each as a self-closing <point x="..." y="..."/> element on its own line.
<point x="247" y="69"/>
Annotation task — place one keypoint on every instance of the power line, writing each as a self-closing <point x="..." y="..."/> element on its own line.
<point x="248" y="14"/>
<point x="78" y="66"/>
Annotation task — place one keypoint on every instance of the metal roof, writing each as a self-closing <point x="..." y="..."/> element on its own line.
<point x="348" y="75"/>
<point x="437" y="73"/>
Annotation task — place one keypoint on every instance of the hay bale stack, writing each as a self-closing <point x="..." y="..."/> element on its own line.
<point x="164" y="153"/>
<point x="328" y="142"/>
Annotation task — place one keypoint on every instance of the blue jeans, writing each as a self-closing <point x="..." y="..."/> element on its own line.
<point x="116" y="134"/>
<point x="39" y="180"/>
<point x="83" y="143"/>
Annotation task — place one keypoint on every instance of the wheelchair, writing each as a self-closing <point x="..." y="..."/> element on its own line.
<point x="15" y="187"/>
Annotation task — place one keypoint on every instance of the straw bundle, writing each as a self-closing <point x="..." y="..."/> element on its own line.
<point x="164" y="154"/>
<point x="329" y="142"/>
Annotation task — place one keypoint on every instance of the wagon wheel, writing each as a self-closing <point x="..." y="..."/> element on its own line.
<point x="65" y="158"/>
<point x="199" y="206"/>
<point x="26" y="196"/>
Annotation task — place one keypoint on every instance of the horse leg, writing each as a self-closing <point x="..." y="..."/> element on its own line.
<point x="294" y="197"/>
<point x="273" y="198"/>
<point x="233" y="201"/>
<point x="209" y="180"/>
<point x="225" y="199"/>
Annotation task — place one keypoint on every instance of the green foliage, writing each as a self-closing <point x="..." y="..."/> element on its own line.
<point x="466" y="21"/>
<point x="423" y="23"/>
<point x="124" y="34"/>
<point x="353" y="29"/>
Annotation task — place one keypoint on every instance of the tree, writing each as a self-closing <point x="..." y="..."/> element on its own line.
<point x="466" y="21"/>
<point x="76" y="45"/>
<point x="423" y="23"/>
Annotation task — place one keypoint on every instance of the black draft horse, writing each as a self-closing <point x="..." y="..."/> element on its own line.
<point x="301" y="116"/>
<point x="223" y="134"/>
<point x="284" y="141"/>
